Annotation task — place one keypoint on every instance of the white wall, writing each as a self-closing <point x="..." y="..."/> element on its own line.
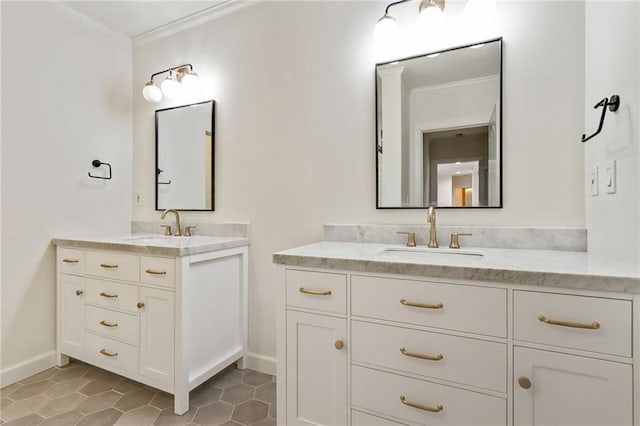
<point x="612" y="67"/>
<point x="295" y="125"/>
<point x="66" y="92"/>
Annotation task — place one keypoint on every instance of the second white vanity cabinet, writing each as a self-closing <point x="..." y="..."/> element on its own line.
<point x="170" y="322"/>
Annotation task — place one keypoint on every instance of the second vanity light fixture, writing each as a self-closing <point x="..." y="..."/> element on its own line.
<point x="181" y="80"/>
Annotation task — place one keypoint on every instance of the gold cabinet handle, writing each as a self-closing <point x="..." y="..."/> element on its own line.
<point x="405" y="352"/>
<point x="315" y="292"/>
<point x="108" y="266"/>
<point x="107" y="353"/>
<point x="70" y="260"/>
<point x="108" y="295"/>
<point x="140" y="305"/>
<point x="524" y="382"/>
<point x="421" y="305"/>
<point x="152" y="272"/>
<point x="79" y="292"/>
<point x="339" y="344"/>
<point x="593" y="326"/>
<point x="108" y="324"/>
<point x="437" y="409"/>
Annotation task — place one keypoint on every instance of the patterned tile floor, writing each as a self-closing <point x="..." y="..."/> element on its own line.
<point x="80" y="394"/>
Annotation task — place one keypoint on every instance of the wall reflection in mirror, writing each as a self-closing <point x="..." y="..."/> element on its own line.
<point x="185" y="157"/>
<point x="439" y="138"/>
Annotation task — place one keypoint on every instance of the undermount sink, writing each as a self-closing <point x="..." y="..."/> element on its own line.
<point x="436" y="255"/>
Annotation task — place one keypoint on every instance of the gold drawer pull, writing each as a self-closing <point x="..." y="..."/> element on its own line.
<point x="151" y="271"/>
<point x="108" y="266"/>
<point x="438" y="357"/>
<point x="108" y="324"/>
<point x="105" y="352"/>
<point x="108" y="295"/>
<point x="593" y="326"/>
<point x="315" y="292"/>
<point x="70" y="260"/>
<point x="79" y="292"/>
<point x="420" y="406"/>
<point x="421" y="305"/>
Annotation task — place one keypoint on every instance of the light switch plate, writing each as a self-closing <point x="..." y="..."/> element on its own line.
<point x="593" y="181"/>
<point x="610" y="183"/>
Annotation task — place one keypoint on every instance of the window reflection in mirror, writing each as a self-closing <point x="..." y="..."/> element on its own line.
<point x="439" y="129"/>
<point x="185" y="157"/>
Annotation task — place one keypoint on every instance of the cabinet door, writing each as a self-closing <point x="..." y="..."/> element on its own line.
<point x="570" y="390"/>
<point x="156" y="334"/>
<point x="316" y="370"/>
<point x="71" y="316"/>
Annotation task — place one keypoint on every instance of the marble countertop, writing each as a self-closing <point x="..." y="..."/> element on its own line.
<point x="153" y="244"/>
<point x="548" y="268"/>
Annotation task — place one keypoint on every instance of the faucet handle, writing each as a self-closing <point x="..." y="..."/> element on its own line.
<point x="187" y="230"/>
<point x="454" y="243"/>
<point x="411" y="238"/>
<point x="167" y="229"/>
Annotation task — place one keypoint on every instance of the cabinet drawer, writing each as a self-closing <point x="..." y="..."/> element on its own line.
<point x="112" y="295"/>
<point x="157" y="271"/>
<point x="361" y="419"/>
<point x="113" y="265"/>
<point x="70" y="261"/>
<point x="112" y="354"/>
<point x="457" y="359"/>
<point x="317" y="290"/>
<point x="481" y="310"/>
<point x="113" y="324"/>
<point x="383" y="392"/>
<point x="557" y="320"/>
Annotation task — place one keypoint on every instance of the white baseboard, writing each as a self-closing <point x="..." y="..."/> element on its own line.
<point x="261" y="363"/>
<point x="27" y="368"/>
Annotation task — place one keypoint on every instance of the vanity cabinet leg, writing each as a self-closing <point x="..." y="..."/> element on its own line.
<point x="61" y="359"/>
<point x="181" y="402"/>
<point x="241" y="363"/>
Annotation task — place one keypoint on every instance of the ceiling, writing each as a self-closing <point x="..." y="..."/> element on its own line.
<point x="134" y="18"/>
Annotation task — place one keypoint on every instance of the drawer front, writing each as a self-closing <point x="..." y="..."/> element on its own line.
<point x="383" y="393"/>
<point x="481" y="310"/>
<point x="70" y="261"/>
<point x="317" y="290"/>
<point x="557" y="320"/>
<point x="113" y="295"/>
<point x="359" y="418"/>
<point x="157" y="271"/>
<point x="112" y="354"/>
<point x="113" y="324"/>
<point x="457" y="359"/>
<point x="113" y="265"/>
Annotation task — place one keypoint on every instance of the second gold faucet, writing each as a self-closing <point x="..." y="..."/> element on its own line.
<point x="431" y="220"/>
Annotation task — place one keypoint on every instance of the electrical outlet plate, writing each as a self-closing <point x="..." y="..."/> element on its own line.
<point x="610" y="183"/>
<point x="593" y="181"/>
<point x="138" y="198"/>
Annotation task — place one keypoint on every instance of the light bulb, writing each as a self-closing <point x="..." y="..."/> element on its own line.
<point x="170" y="87"/>
<point x="152" y="93"/>
<point x="386" y="32"/>
<point x="190" y="83"/>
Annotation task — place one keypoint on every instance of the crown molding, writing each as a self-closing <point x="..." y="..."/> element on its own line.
<point x="226" y="7"/>
<point x="74" y="13"/>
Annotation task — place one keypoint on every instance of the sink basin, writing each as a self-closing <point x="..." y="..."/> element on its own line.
<point x="435" y="255"/>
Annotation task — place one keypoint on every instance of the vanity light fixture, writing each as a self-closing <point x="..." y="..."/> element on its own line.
<point x="181" y="79"/>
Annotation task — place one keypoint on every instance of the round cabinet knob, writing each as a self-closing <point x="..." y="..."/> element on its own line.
<point x="140" y="305"/>
<point x="524" y="382"/>
<point x="79" y="292"/>
<point x="339" y="344"/>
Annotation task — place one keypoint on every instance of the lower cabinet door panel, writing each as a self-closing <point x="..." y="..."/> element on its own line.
<point x="156" y="334"/>
<point x="72" y="312"/>
<point x="316" y="370"/>
<point x="424" y="402"/>
<point x="558" y="389"/>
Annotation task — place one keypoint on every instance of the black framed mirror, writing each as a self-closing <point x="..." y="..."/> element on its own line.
<point x="185" y="147"/>
<point x="439" y="129"/>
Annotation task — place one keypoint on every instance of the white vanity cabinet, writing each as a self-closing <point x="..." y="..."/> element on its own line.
<point x="420" y="351"/>
<point x="170" y="322"/>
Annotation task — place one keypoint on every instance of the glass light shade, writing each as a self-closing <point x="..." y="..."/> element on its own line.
<point x="152" y="93"/>
<point x="386" y="32"/>
<point x="482" y="10"/>
<point x="191" y="83"/>
<point x="431" y="20"/>
<point x="170" y="87"/>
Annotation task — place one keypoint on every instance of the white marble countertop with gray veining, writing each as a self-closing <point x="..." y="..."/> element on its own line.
<point x="153" y="244"/>
<point x="547" y="268"/>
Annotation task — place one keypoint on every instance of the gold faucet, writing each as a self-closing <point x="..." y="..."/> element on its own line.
<point x="431" y="220"/>
<point x="164" y="214"/>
